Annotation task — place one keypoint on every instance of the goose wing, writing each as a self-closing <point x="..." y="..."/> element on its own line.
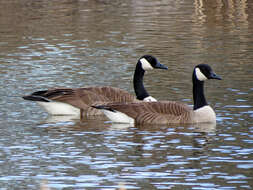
<point x="111" y="94"/>
<point x="82" y="97"/>
<point x="164" y="112"/>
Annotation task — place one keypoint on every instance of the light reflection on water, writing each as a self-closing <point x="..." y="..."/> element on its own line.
<point x="78" y="43"/>
<point x="162" y="156"/>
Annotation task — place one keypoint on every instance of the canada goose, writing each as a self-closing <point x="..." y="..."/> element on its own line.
<point x="167" y="112"/>
<point x="77" y="101"/>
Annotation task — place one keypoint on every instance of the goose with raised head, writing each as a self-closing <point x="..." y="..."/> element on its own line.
<point x="167" y="112"/>
<point x="76" y="101"/>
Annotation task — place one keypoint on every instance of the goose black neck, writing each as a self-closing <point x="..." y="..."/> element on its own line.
<point x="139" y="89"/>
<point x="198" y="93"/>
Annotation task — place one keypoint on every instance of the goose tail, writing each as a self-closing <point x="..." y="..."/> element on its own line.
<point x="36" y="98"/>
<point x="103" y="107"/>
<point x="114" y="115"/>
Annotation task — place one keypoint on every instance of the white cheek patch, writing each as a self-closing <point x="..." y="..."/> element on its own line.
<point x="145" y="64"/>
<point x="200" y="76"/>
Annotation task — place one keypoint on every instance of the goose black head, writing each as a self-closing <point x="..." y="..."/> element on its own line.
<point x="149" y="62"/>
<point x="203" y="72"/>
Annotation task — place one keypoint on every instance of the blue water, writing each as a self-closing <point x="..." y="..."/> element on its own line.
<point x="45" y="44"/>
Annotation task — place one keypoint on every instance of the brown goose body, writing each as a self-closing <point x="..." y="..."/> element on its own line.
<point x="167" y="112"/>
<point x="82" y="98"/>
<point x="75" y="101"/>
<point x="163" y="112"/>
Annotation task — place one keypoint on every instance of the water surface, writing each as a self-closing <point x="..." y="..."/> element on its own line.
<point x="73" y="43"/>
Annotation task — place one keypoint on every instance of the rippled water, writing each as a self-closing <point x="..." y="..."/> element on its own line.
<point x="75" y="43"/>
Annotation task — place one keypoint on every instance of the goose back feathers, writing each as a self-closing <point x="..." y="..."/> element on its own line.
<point x="168" y="112"/>
<point x="163" y="112"/>
<point x="79" y="99"/>
<point x="72" y="101"/>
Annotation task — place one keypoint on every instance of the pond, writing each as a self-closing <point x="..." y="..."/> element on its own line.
<point x="76" y="43"/>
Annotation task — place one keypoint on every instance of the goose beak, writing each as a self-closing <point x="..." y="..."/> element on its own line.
<point x="214" y="76"/>
<point x="160" y="66"/>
